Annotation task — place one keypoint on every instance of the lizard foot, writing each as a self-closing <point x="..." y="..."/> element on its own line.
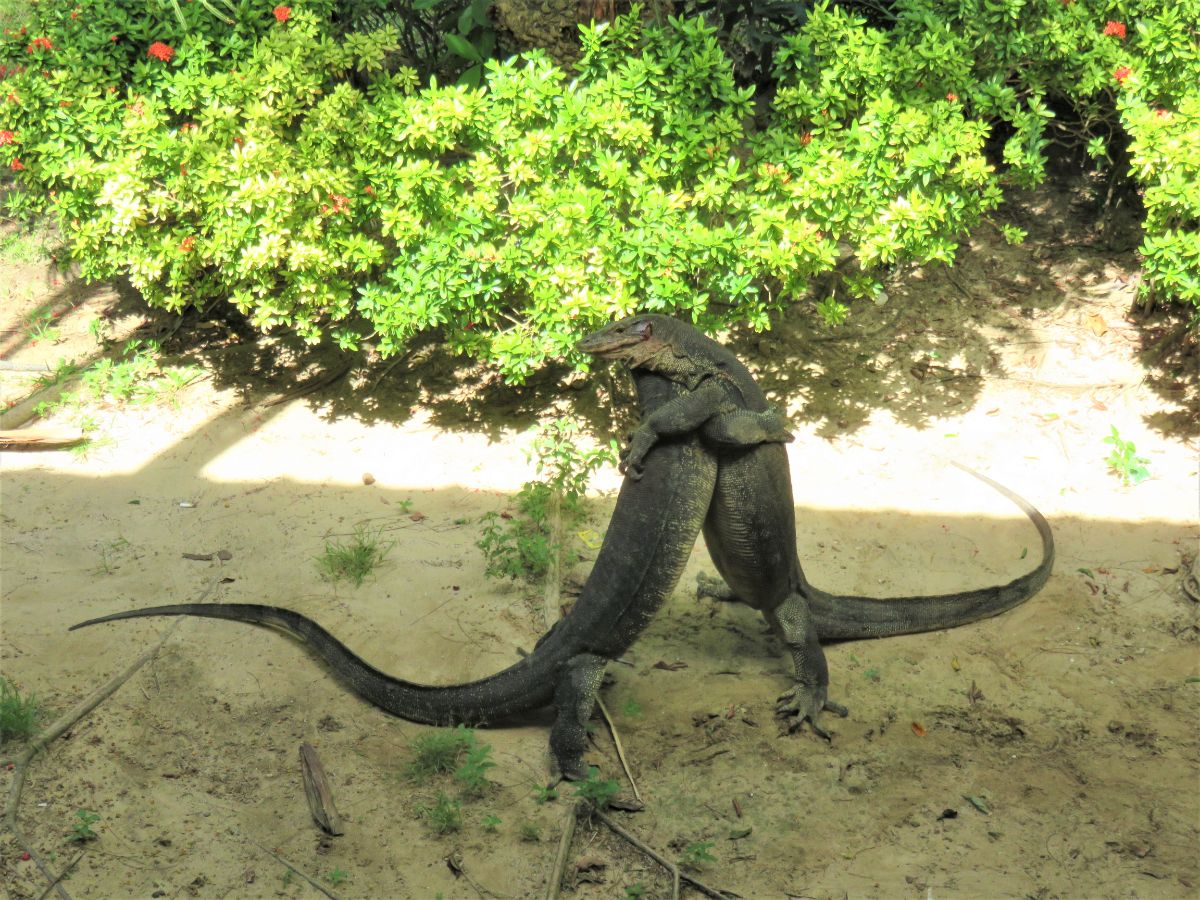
<point x="714" y="589"/>
<point x="633" y="453"/>
<point x="805" y="704"/>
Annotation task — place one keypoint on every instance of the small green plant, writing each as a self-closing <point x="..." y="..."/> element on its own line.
<point x="596" y="790"/>
<point x="696" y="855"/>
<point x="1124" y="461"/>
<point x="635" y="891"/>
<point x="337" y="876"/>
<point x="833" y="311"/>
<point x="544" y="794"/>
<point x="632" y="708"/>
<point x="82" y="831"/>
<point x="521" y="545"/>
<point x="531" y="832"/>
<point x="445" y="816"/>
<point x="472" y="772"/>
<point x="454" y="750"/>
<point x="44" y="329"/>
<point x="1013" y="234"/>
<point x="491" y="823"/>
<point x="439" y="751"/>
<point x="18" y="715"/>
<point x="99" y="328"/>
<point x="109" y="550"/>
<point x="354" y="559"/>
<point x="135" y="377"/>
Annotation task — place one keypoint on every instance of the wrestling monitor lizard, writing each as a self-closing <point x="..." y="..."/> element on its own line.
<point x="652" y="532"/>
<point x="750" y="529"/>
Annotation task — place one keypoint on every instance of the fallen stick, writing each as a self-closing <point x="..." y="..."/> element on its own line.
<point x="676" y="875"/>
<point x="612" y="729"/>
<point x="554" y="886"/>
<point x="59" y="728"/>
<point x="316" y="884"/>
<point x="29" y="439"/>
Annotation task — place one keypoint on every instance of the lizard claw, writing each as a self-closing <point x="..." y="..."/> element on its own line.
<point x="806" y="703"/>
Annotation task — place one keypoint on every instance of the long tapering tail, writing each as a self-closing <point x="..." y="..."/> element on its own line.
<point x="850" y="617"/>
<point x="525" y="685"/>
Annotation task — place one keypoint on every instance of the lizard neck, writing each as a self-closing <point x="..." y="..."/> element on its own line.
<point x="661" y="358"/>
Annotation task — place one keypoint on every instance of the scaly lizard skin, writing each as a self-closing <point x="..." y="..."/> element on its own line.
<point x="652" y="532"/>
<point x="750" y="528"/>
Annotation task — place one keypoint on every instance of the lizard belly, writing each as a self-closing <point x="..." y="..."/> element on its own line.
<point x="750" y="530"/>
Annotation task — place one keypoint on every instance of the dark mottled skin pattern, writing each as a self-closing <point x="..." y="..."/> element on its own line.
<point x="652" y="532"/>
<point x="750" y="529"/>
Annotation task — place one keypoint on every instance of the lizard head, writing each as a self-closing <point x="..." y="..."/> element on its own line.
<point x="631" y="339"/>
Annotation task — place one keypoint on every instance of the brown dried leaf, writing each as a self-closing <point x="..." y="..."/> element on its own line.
<point x="1097" y="324"/>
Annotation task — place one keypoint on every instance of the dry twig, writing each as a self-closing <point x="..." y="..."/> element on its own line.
<point x="612" y="728"/>
<point x="59" y="728"/>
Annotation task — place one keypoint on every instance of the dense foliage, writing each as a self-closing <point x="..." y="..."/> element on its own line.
<point x="286" y="166"/>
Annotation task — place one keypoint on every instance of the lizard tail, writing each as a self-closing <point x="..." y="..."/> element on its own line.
<point x="851" y="617"/>
<point x="525" y="685"/>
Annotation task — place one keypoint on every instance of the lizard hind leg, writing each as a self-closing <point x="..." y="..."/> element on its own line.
<point x="574" y="699"/>
<point x="809" y="696"/>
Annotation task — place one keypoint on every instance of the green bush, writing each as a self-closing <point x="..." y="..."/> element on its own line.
<point x="283" y="166"/>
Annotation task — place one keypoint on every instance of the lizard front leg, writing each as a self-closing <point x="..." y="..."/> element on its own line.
<point x="808" y="698"/>
<point x="710" y="409"/>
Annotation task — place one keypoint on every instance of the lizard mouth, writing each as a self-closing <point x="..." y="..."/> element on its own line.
<point x="605" y="351"/>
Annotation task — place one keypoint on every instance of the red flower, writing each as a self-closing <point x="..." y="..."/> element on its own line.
<point x="7" y="137"/>
<point x="25" y="856"/>
<point x="1115" y="29"/>
<point x="16" y="166"/>
<point x="187" y="243"/>
<point x="952" y="97"/>
<point x="806" y="138"/>
<point x="115" y="38"/>
<point x="41" y="43"/>
<point x="282" y="13"/>
<point x="75" y="13"/>
<point x="1121" y="73"/>
<point x="1161" y="113"/>
<point x="159" y="50"/>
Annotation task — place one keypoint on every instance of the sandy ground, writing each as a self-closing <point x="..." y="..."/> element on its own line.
<point x="1050" y="752"/>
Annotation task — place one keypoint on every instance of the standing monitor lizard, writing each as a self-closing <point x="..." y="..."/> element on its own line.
<point x="750" y="528"/>
<point x="658" y="516"/>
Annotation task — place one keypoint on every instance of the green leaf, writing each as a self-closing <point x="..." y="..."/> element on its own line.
<point x="471" y="76"/>
<point x="462" y="47"/>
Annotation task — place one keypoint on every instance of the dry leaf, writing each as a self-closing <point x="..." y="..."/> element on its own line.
<point x="1097" y="324"/>
<point x="418" y="517"/>
<point x="918" y="729"/>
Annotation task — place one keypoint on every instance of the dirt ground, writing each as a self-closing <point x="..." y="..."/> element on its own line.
<point x="1049" y="752"/>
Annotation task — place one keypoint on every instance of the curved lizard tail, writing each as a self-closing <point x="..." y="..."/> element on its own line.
<point x="851" y="617"/>
<point x="525" y="685"/>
